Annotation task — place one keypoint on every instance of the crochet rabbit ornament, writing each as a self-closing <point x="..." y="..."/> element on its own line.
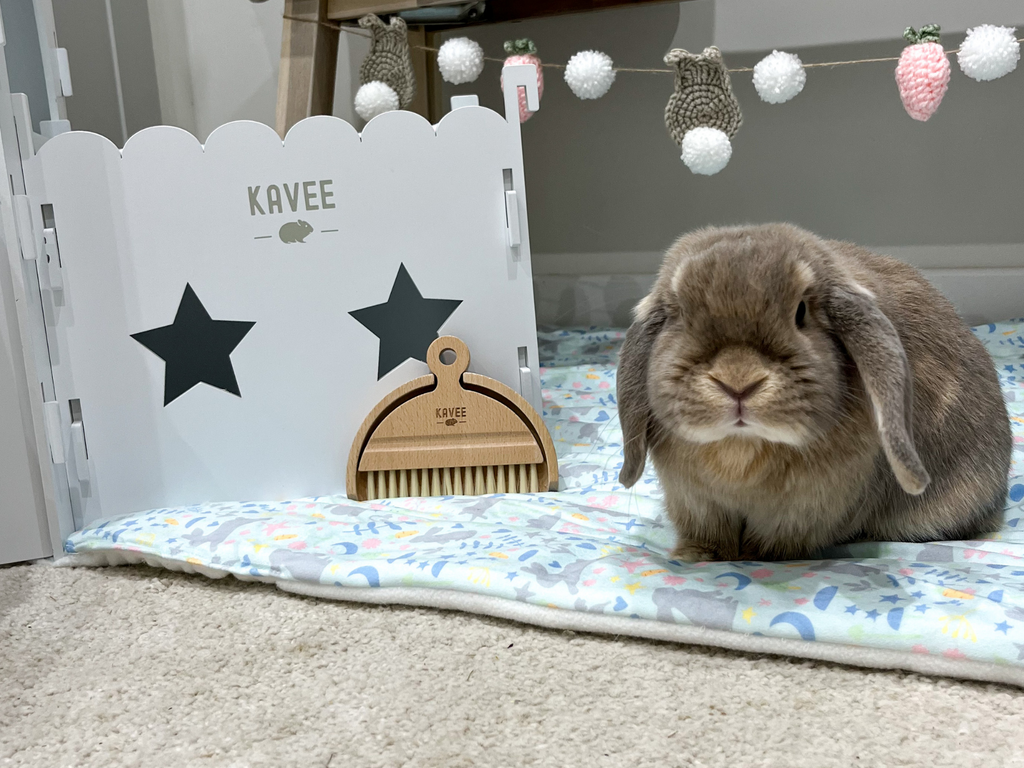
<point x="386" y="74"/>
<point x="703" y="114"/>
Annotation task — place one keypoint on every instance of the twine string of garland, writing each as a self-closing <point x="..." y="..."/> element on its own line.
<point x="654" y="71"/>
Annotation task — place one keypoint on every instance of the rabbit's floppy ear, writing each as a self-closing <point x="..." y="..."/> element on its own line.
<point x="877" y="351"/>
<point x="631" y="392"/>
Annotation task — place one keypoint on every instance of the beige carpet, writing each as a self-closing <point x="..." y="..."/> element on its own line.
<point x="139" y="667"/>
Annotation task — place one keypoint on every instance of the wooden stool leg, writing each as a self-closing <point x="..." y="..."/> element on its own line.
<point x="309" y="60"/>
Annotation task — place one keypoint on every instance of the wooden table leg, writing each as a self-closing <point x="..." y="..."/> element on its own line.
<point x="309" y="60"/>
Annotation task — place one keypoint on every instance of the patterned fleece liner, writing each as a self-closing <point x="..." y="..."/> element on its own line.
<point x="594" y="557"/>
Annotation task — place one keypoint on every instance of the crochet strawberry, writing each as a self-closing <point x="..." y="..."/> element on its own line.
<point x="524" y="52"/>
<point x="922" y="74"/>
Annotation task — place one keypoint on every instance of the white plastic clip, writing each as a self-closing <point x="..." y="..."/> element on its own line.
<point x="467" y="100"/>
<point x="51" y="128"/>
<point x="78" y="448"/>
<point x="53" y="258"/>
<point x="54" y="433"/>
<point x="515" y="77"/>
<point x="65" y="71"/>
<point x="526" y="384"/>
<point x="512" y="211"/>
<point x="526" y="378"/>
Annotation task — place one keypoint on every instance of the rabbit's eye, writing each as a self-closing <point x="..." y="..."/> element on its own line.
<point x="801" y="313"/>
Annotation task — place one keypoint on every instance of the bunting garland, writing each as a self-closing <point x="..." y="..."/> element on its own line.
<point x="702" y="114"/>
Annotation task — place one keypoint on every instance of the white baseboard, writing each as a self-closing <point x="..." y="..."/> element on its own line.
<point x="982" y="295"/>
<point x="606" y="300"/>
<point x="969" y="256"/>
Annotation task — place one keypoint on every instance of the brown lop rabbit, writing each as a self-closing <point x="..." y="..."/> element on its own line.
<point x="796" y="393"/>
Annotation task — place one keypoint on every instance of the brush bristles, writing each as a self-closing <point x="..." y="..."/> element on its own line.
<point x="452" y="481"/>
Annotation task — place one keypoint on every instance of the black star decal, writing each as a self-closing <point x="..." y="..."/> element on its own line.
<point x="406" y="325"/>
<point x="195" y="348"/>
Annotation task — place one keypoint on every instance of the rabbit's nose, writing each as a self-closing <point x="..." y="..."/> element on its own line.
<point x="739" y="391"/>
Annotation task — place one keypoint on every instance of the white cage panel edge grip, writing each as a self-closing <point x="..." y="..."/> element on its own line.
<point x="446" y="202"/>
<point x="513" y="78"/>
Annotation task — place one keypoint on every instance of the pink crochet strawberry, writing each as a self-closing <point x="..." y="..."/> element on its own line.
<point x="923" y="72"/>
<point x="524" y="52"/>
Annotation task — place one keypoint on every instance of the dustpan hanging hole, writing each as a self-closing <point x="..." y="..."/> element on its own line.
<point x="454" y="364"/>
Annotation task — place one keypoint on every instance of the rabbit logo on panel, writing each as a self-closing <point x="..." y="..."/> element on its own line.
<point x="294" y="231"/>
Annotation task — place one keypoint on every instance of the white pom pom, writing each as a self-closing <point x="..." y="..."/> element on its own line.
<point x="460" y="60"/>
<point x="989" y="52"/>
<point x="589" y="74"/>
<point x="375" y="98"/>
<point x="706" y="150"/>
<point x="779" y="76"/>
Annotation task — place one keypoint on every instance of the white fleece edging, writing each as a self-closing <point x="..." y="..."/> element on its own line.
<point x="557" y="618"/>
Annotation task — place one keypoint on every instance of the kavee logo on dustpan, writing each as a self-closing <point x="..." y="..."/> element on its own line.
<point x="293" y="197"/>
<point x="451" y="416"/>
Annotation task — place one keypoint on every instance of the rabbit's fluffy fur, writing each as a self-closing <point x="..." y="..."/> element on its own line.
<point x="796" y="393"/>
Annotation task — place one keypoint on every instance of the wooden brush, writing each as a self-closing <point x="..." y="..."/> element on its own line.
<point x="451" y="433"/>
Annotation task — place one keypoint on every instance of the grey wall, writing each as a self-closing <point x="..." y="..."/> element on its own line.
<point x="742" y="25"/>
<point x="137" y="65"/>
<point x="219" y="61"/>
<point x="604" y="178"/>
<point x="607" y="191"/>
<point x="84" y="29"/>
<point x="842" y="159"/>
<point x="24" y="61"/>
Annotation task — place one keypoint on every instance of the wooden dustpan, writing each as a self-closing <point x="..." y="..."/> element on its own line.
<point x="451" y="433"/>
